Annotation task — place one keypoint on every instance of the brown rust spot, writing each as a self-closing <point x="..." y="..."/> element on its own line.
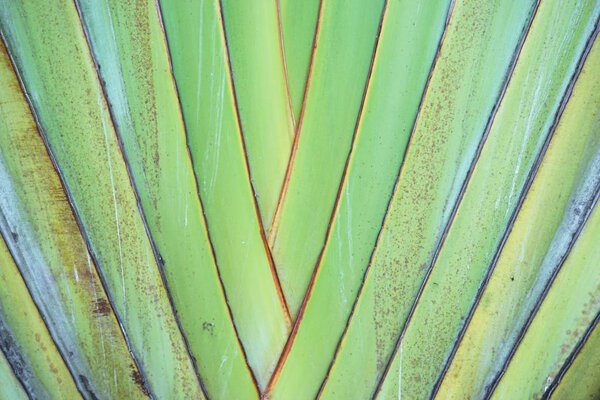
<point x="138" y="379"/>
<point x="102" y="307"/>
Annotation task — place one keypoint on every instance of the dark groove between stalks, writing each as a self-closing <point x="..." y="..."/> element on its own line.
<point x="528" y="183"/>
<point x="538" y="304"/>
<point x="21" y="383"/>
<point x="297" y="128"/>
<point x="204" y="219"/>
<point x="261" y="228"/>
<point x="157" y="257"/>
<point x="84" y="236"/>
<point x="287" y="176"/>
<point x="316" y="269"/>
<point x="461" y="194"/>
<point x="19" y="377"/>
<point x="365" y="274"/>
<point x="571" y="359"/>
<point x="542" y="297"/>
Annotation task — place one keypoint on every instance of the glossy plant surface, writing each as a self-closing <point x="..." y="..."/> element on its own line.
<point x="283" y="199"/>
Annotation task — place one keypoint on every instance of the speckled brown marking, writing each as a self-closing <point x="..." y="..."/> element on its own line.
<point x="204" y="220"/>
<point x="492" y="387"/>
<point x="60" y="194"/>
<point x="89" y="393"/>
<point x="289" y="343"/>
<point x="102" y="307"/>
<point x="570" y="359"/>
<point x="460" y="196"/>
<point x="395" y="291"/>
<point x="139" y="379"/>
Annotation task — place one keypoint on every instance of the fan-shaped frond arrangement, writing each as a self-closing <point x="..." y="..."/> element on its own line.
<point x="286" y="199"/>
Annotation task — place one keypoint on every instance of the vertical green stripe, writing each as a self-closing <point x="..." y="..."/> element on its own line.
<point x="390" y="109"/>
<point x="42" y="234"/>
<point x="52" y="56"/>
<point x="144" y="103"/>
<point x="197" y="44"/>
<point x="572" y="303"/>
<point x="299" y="21"/>
<point x="254" y="48"/>
<point x="556" y="205"/>
<point x="343" y="57"/>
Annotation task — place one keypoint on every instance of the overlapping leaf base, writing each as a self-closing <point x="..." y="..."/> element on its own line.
<point x="283" y="199"/>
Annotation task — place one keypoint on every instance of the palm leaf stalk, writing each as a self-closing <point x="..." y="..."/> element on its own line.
<point x="279" y="199"/>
